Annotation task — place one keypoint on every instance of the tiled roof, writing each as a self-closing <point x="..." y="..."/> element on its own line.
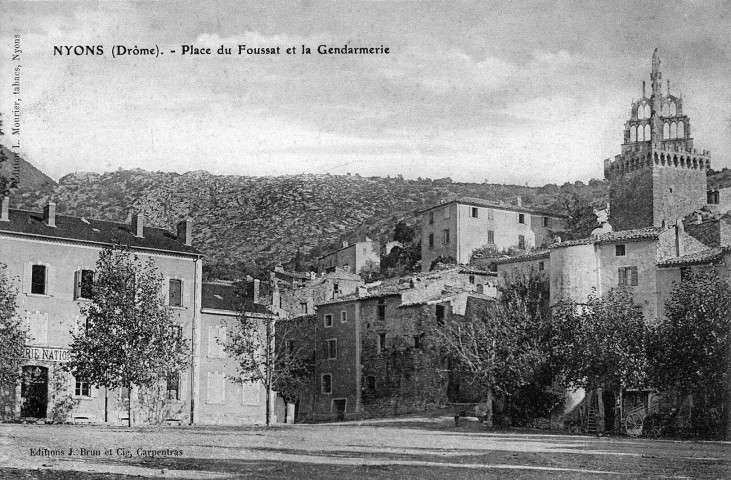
<point x="225" y="296"/>
<point x="711" y="255"/>
<point x="28" y="223"/>
<point x="479" y="202"/>
<point x="524" y="257"/>
<point x="647" y="233"/>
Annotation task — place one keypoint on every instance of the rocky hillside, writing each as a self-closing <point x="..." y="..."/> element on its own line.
<point x="263" y="220"/>
<point x="29" y="177"/>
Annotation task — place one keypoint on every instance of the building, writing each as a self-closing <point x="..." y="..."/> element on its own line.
<point x="457" y="228"/>
<point x="53" y="258"/>
<point x="296" y="294"/>
<point x="371" y="355"/>
<point x="352" y="258"/>
<point x="659" y="177"/>
<point x="224" y="401"/>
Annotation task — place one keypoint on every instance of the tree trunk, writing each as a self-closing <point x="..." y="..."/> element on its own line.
<point x="129" y="404"/>
<point x="269" y="372"/>
<point x="488" y="405"/>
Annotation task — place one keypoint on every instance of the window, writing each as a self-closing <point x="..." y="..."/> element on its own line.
<point x="620" y="251"/>
<point x="490" y="214"/>
<point x="336" y="290"/>
<point x="431" y="218"/>
<point x="327" y="383"/>
<point x="445" y="236"/>
<point x="216" y="341"/>
<point x="332" y="349"/>
<point x="83" y="284"/>
<point x="491" y="237"/>
<point x="440" y="314"/>
<point x="472" y="279"/>
<point x="684" y="273"/>
<point x="175" y="293"/>
<point x="521" y="242"/>
<point x="474" y="213"/>
<point x="124" y="394"/>
<point x="343" y="316"/>
<point x="627" y="276"/>
<point x="546" y="222"/>
<point x="328" y="320"/>
<point x="37" y="324"/>
<point x="381" y="342"/>
<point x="370" y="384"/>
<point x="381" y="309"/>
<point x="431" y="240"/>
<point x="38" y="279"/>
<point x="541" y="266"/>
<point x="346" y="267"/>
<point x="216" y="388"/>
<point x="303" y="308"/>
<point x="521" y="218"/>
<point x="417" y="341"/>
<point x="82" y="389"/>
<point x="446" y="212"/>
<point x="173" y="386"/>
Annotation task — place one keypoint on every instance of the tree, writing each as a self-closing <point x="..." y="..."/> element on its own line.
<point x="497" y="348"/>
<point x="403" y="233"/>
<point x="131" y="338"/>
<point x="580" y="218"/>
<point x="600" y="343"/>
<point x="690" y="349"/>
<point x="279" y="355"/>
<point x="12" y="333"/>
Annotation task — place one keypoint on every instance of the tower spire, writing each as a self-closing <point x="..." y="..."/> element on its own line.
<point x="656" y="75"/>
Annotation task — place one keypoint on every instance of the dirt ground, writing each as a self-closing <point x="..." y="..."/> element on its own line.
<point x="417" y="448"/>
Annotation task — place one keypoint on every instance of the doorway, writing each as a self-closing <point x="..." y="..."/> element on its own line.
<point x="34" y="392"/>
<point x="340" y="408"/>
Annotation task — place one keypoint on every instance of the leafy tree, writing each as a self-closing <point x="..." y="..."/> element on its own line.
<point x="690" y="349"/>
<point x="579" y="211"/>
<point x="12" y="333"/>
<point x="131" y="338"/>
<point x="600" y="343"/>
<point x="277" y="355"/>
<point x="403" y="233"/>
<point x="497" y="348"/>
<point x="5" y="183"/>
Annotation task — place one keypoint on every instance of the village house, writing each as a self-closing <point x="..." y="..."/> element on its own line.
<point x="53" y="258"/>
<point x="459" y="227"/>
<point x="371" y="355"/>
<point x="352" y="257"/>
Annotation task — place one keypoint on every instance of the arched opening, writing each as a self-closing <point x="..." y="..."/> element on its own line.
<point x="662" y="159"/>
<point x="34" y="392"/>
<point x="646" y="134"/>
<point x="666" y="131"/>
<point x="632" y="134"/>
<point x="673" y="130"/>
<point x="675" y="161"/>
<point x="681" y="130"/>
<point x="664" y="110"/>
<point x="672" y="109"/>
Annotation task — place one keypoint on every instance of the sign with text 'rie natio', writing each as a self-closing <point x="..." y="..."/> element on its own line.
<point x="48" y="354"/>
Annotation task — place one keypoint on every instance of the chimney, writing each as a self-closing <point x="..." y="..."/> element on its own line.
<point x="49" y="214"/>
<point x="345" y="244"/>
<point x="519" y="201"/>
<point x="362" y="292"/>
<point x="698" y="218"/>
<point x="256" y="290"/>
<point x="138" y="220"/>
<point x="5" y="212"/>
<point x="185" y="231"/>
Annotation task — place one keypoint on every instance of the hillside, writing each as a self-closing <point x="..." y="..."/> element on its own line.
<point x="29" y="177"/>
<point x="263" y="220"/>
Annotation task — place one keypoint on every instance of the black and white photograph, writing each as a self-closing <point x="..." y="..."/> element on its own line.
<point x="365" y="239"/>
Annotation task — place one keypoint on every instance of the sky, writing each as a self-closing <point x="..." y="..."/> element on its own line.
<point x="504" y="92"/>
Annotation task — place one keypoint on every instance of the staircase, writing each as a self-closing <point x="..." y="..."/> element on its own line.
<point x="591" y="423"/>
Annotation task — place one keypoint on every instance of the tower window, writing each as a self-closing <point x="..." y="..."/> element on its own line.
<point x="521" y="242"/>
<point x="431" y="240"/>
<point x="474" y="213"/>
<point x="431" y="218"/>
<point x="491" y="237"/>
<point x="38" y="279"/>
<point x="521" y="218"/>
<point x="445" y="236"/>
<point x="627" y="276"/>
<point x="620" y="250"/>
<point x="381" y="309"/>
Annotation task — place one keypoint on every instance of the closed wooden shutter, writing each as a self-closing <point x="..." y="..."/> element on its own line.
<point x="27" y="277"/>
<point x="166" y="290"/>
<point x="50" y="280"/>
<point x="186" y="292"/>
<point x="77" y="284"/>
<point x="620" y="277"/>
<point x="634" y="275"/>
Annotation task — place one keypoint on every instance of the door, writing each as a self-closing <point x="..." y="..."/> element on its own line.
<point x="34" y="392"/>
<point x="340" y="408"/>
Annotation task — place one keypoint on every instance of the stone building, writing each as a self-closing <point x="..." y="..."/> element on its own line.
<point x="354" y="257"/>
<point x="370" y="349"/>
<point x="52" y="257"/>
<point x="456" y="228"/>
<point x="296" y="294"/>
<point x="659" y="177"/>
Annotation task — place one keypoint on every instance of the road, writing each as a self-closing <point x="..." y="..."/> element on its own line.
<point x="420" y="448"/>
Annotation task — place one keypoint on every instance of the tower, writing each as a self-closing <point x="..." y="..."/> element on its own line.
<point x="659" y="177"/>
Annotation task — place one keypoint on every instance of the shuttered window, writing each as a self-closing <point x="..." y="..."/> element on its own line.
<point x="627" y="276"/>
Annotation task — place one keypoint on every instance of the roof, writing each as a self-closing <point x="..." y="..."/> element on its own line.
<point x="225" y="296"/>
<point x="345" y="247"/>
<point x="711" y="255"/>
<point x="647" y="233"/>
<point x="479" y="202"/>
<point x="538" y="254"/>
<point x="79" y="229"/>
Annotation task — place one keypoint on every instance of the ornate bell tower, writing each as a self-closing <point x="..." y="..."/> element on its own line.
<point x="659" y="177"/>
